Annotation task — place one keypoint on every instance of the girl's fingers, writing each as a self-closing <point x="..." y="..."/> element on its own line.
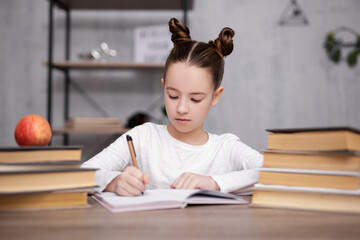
<point x="136" y="173"/>
<point x="129" y="191"/>
<point x="146" y="179"/>
<point x="123" y="192"/>
<point x="132" y="187"/>
<point x="136" y="184"/>
<point x="133" y="171"/>
<point x="180" y="182"/>
<point x="176" y="182"/>
<point x="186" y="181"/>
<point x="132" y="182"/>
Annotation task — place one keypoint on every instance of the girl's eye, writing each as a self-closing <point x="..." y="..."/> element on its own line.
<point x="173" y="97"/>
<point x="195" y="100"/>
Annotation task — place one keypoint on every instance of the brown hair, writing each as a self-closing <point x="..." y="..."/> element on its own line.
<point x="204" y="55"/>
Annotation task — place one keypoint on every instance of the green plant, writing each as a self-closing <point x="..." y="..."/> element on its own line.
<point x="333" y="46"/>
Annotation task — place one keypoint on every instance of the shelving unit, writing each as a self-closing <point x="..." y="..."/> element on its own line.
<point x="67" y="65"/>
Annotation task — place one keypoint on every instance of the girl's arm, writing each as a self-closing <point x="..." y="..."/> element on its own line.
<point x="246" y="162"/>
<point x="111" y="161"/>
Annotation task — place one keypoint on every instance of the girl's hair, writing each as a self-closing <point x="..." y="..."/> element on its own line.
<point x="200" y="54"/>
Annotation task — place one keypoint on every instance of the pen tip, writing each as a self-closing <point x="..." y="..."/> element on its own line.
<point x="128" y="138"/>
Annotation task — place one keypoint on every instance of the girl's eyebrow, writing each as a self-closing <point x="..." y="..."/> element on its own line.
<point x="193" y="93"/>
<point x="171" y="88"/>
<point x="198" y="93"/>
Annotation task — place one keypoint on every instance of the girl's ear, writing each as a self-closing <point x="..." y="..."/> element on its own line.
<point x="216" y="96"/>
<point x="162" y="82"/>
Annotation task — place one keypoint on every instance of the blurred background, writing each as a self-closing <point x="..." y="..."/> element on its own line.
<point x="278" y="76"/>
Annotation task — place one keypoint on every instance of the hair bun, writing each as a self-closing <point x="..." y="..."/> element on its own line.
<point x="180" y="32"/>
<point x="224" y="43"/>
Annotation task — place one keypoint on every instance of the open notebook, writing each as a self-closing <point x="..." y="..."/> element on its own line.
<point x="165" y="199"/>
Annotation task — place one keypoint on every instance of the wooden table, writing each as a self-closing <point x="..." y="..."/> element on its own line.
<point x="194" y="222"/>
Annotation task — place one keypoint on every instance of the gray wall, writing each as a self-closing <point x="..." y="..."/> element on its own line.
<point x="277" y="76"/>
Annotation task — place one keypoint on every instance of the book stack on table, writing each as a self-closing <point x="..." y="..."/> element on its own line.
<point x="311" y="169"/>
<point x="95" y="124"/>
<point x="43" y="177"/>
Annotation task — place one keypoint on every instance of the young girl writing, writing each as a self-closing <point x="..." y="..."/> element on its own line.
<point x="182" y="155"/>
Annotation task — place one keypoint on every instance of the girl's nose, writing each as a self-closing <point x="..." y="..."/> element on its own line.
<point x="182" y="107"/>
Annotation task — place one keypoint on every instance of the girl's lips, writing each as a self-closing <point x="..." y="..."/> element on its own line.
<point x="182" y="120"/>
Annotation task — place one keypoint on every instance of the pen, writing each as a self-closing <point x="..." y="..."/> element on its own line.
<point x="132" y="150"/>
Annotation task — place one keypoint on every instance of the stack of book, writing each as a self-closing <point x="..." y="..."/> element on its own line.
<point x="311" y="169"/>
<point x="95" y="124"/>
<point x="43" y="177"/>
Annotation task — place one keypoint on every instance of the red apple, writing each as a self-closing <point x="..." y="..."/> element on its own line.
<point x="33" y="130"/>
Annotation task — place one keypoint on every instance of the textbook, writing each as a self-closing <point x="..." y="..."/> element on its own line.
<point x="325" y="160"/>
<point x="165" y="199"/>
<point x="90" y="121"/>
<point x="32" y="166"/>
<point x="25" y="180"/>
<point x="44" y="200"/>
<point x="310" y="178"/>
<point x="40" y="154"/>
<point x="306" y="198"/>
<point x="322" y="139"/>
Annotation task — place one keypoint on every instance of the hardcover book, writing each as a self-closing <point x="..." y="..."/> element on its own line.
<point x="324" y="160"/>
<point x="40" y="154"/>
<point x="317" y="139"/>
<point x="310" y="178"/>
<point x="306" y="198"/>
<point x="46" y="179"/>
<point x="73" y="198"/>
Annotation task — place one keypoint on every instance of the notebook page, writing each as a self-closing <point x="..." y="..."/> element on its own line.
<point x="149" y="196"/>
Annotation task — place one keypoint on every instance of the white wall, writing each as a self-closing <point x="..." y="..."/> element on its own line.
<point x="277" y="76"/>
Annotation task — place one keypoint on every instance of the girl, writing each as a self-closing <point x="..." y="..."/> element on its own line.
<point x="182" y="155"/>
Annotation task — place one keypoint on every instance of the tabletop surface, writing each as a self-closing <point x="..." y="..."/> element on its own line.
<point x="192" y="222"/>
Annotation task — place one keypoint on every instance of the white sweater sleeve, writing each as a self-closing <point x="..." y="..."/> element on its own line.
<point x="246" y="162"/>
<point x="110" y="161"/>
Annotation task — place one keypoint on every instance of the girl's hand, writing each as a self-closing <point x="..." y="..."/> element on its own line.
<point x="194" y="181"/>
<point x="131" y="182"/>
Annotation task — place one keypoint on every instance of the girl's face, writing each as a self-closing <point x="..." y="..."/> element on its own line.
<point x="189" y="94"/>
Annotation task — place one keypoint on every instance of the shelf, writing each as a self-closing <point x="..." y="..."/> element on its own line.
<point x="92" y="130"/>
<point x="67" y="65"/>
<point x="123" y="5"/>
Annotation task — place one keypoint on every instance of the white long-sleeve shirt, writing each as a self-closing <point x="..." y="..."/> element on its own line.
<point x="231" y="163"/>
